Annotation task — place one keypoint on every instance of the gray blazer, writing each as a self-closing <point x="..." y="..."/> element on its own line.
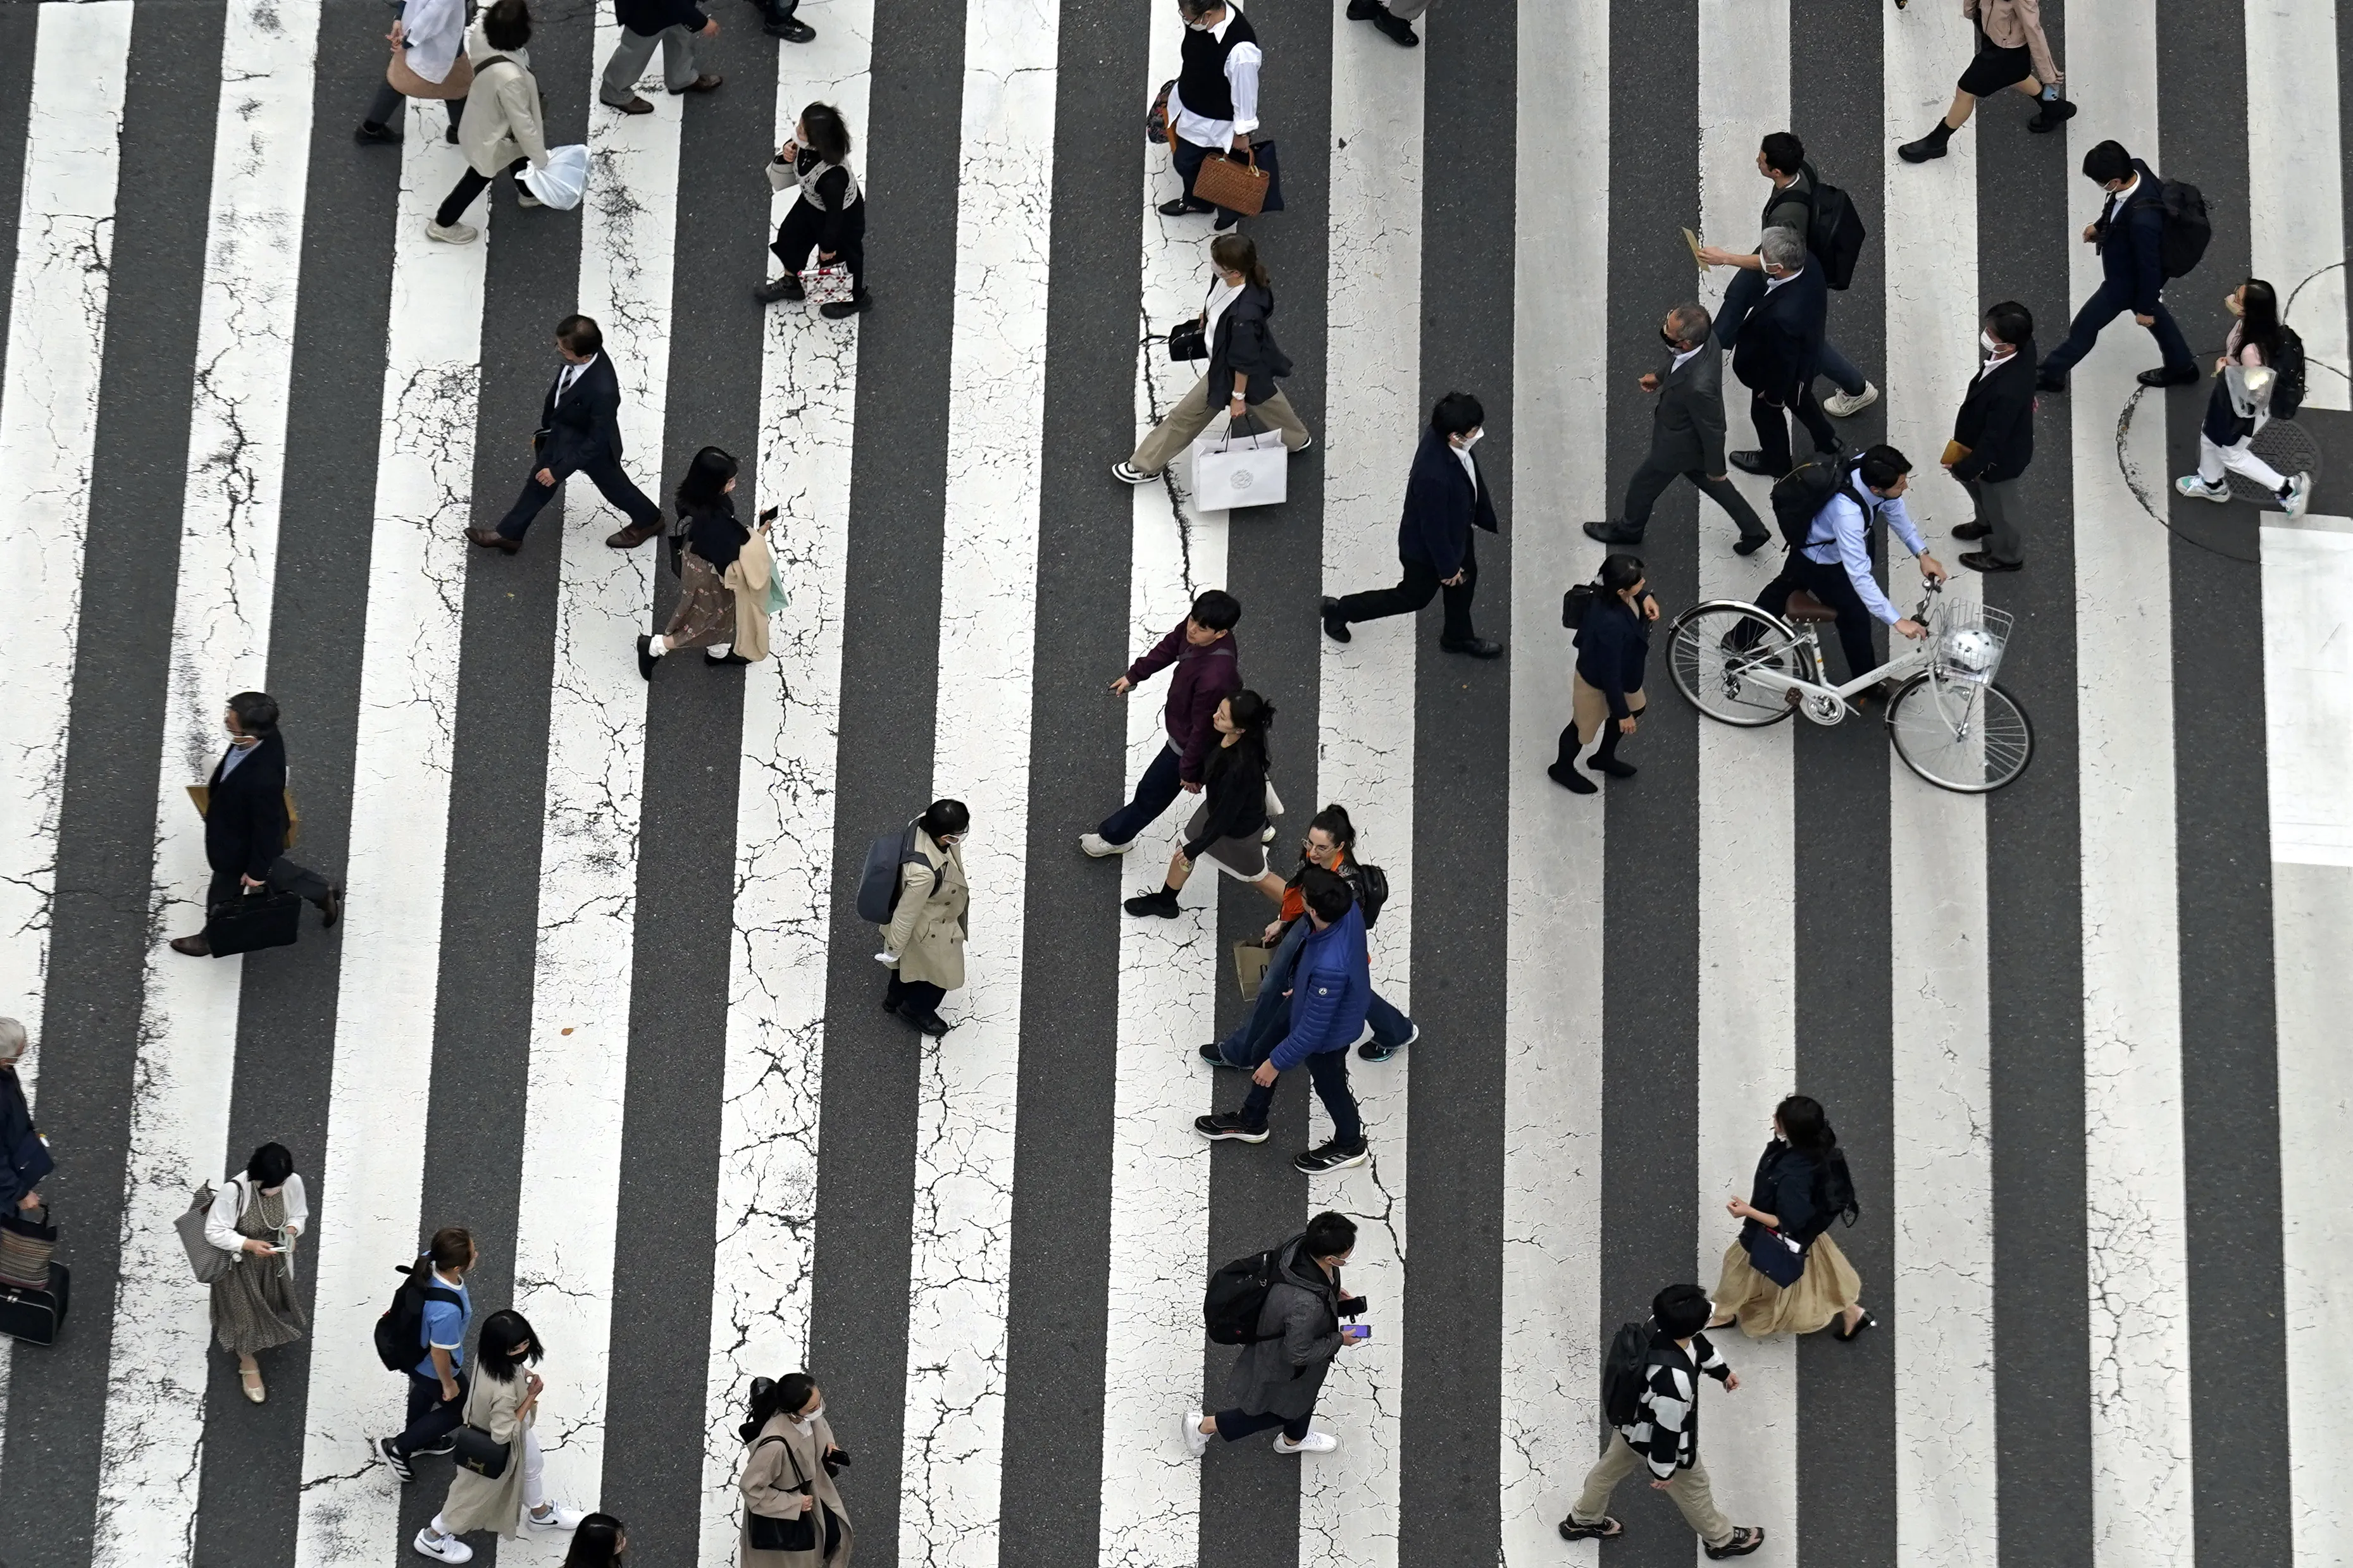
<point x="1687" y="424"/>
<point x="1281" y="1375"/>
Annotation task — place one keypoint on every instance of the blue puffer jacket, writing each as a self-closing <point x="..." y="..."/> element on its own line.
<point x="1329" y="992"/>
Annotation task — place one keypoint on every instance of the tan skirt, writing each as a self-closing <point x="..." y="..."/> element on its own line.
<point x="1829" y="1285"/>
<point x="408" y="84"/>
<point x="705" y="616"/>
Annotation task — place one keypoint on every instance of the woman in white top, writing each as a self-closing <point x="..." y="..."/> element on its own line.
<point x="2227" y="438"/>
<point x="256" y="1217"/>
<point x="429" y="61"/>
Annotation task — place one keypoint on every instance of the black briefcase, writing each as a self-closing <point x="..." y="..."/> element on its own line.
<point x="262" y="918"/>
<point x="36" y="1316"/>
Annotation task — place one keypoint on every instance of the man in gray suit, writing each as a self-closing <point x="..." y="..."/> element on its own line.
<point x="1687" y="435"/>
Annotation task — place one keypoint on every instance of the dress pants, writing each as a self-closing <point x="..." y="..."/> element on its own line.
<point x="605" y="473"/>
<point x="629" y="58"/>
<point x="1688" y="1490"/>
<point x="2107" y="302"/>
<point x="1997" y="500"/>
<point x="1649" y="480"/>
<point x="1191" y="415"/>
<point x="1421" y="584"/>
<point x="1269" y="1019"/>
<point x="1831" y="585"/>
<point x="1330" y="1071"/>
<point x="1773" y="428"/>
<point x="283" y="877"/>
<point x="1155" y="791"/>
<point x="429" y="1420"/>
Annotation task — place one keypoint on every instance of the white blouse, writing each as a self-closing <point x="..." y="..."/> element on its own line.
<point x="230" y="1201"/>
<point x="435" y="29"/>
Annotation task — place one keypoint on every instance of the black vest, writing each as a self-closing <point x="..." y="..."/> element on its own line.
<point x="1202" y="85"/>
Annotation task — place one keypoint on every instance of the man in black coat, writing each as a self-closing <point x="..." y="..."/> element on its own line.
<point x="1993" y="438"/>
<point x="579" y="432"/>
<point x="1687" y="435"/>
<point x="2129" y="234"/>
<point x="1445" y="498"/>
<point x="675" y="25"/>
<point x="245" y="821"/>
<point x="1776" y="349"/>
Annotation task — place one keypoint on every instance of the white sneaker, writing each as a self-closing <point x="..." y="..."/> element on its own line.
<point x="442" y="1548"/>
<point x="1129" y="474"/>
<point x="2196" y="488"/>
<point x="1096" y="844"/>
<point x="2299" y="496"/>
<point x="1267" y="836"/>
<point x="1197" y="1442"/>
<point x="560" y="1520"/>
<point x="453" y="233"/>
<point x="1313" y="1443"/>
<point x="1839" y="404"/>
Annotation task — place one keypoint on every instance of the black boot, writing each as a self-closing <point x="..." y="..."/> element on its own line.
<point x="1563" y="770"/>
<point x="1605" y="756"/>
<point x="1932" y="145"/>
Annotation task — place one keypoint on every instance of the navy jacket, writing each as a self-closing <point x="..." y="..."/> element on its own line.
<point x="1441" y="507"/>
<point x="24" y="1158"/>
<point x="1244" y="351"/>
<point x="586" y="426"/>
<point x="646" y="16"/>
<point x="1613" y="647"/>
<point x="1330" y="990"/>
<point x="1780" y="342"/>
<point x="2130" y="245"/>
<point x="245" y="816"/>
<point x="1997" y="420"/>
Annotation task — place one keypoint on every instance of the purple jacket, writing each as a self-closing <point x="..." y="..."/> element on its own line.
<point x="1205" y="677"/>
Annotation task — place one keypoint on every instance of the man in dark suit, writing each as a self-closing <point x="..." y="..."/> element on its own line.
<point x="1993" y="438"/>
<point x="2130" y="236"/>
<point x="1687" y="435"/>
<point x="1445" y="498"/>
<point x="1777" y="349"/>
<point x="245" y="821"/>
<point x="579" y="432"/>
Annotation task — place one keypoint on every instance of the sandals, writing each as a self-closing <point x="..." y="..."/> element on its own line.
<point x="1608" y="1529"/>
<point x="1865" y="1321"/>
<point x="1745" y="1539"/>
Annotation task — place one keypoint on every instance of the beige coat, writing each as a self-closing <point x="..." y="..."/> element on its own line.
<point x="747" y="578"/>
<point x="475" y="1503"/>
<point x="502" y="118"/>
<point x="926" y="934"/>
<point x="771" y="1486"/>
<point x="2009" y="23"/>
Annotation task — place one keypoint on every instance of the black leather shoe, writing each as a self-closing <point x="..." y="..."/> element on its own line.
<point x="1970" y="531"/>
<point x="385" y="136"/>
<point x="194" y="946"/>
<point x="492" y="538"/>
<point x="1569" y="779"/>
<point x="1361" y="10"/>
<point x="1476" y="647"/>
<point x="931" y="1024"/>
<point x="842" y="310"/>
<point x="1395" y="28"/>
<point x="1333" y="627"/>
<point x="1750" y="543"/>
<point x="1613" y="533"/>
<point x="1979" y="561"/>
<point x="331" y="910"/>
<point x="1927" y="147"/>
<point x="1178" y="206"/>
<point x="2169" y="375"/>
<point x="1751" y="463"/>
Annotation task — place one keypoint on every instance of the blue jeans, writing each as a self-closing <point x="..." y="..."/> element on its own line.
<point x="1839" y="370"/>
<point x="1154" y="791"/>
<point x="1255" y="1037"/>
<point x="2107" y="303"/>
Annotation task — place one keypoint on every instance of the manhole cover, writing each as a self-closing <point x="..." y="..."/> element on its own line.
<point x="2286" y="446"/>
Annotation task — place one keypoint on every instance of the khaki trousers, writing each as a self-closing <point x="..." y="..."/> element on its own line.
<point x="1191" y="417"/>
<point x="1688" y="1490"/>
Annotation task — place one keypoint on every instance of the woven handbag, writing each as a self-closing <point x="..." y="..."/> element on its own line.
<point x="25" y="1248"/>
<point x="1233" y="184"/>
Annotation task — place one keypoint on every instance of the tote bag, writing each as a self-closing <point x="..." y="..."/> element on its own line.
<point x="205" y="1261"/>
<point x="1237" y="471"/>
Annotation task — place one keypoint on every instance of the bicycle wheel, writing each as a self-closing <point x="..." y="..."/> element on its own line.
<point x="1712" y="651"/>
<point x="1983" y="746"/>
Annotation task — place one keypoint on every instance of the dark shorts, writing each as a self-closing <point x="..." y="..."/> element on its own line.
<point x="1994" y="70"/>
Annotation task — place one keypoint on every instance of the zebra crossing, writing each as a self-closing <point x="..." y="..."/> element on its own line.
<point x="599" y="995"/>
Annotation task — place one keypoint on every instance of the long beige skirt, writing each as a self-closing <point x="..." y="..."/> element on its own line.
<point x="1829" y="1285"/>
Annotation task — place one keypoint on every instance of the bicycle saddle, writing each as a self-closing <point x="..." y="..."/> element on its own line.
<point x="1804" y="607"/>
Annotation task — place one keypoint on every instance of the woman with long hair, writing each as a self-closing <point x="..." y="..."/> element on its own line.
<point x="793" y="1514"/>
<point x="1245" y="362"/>
<point x="2240" y="405"/>
<point x="1613" y="648"/>
<point x="1801" y="1185"/>
<point x="706" y="616"/>
<point x="1230" y="824"/>
<point x="829" y="217"/>
<point x="598" y="1543"/>
<point x="502" y="1401"/>
<point x="255" y="1219"/>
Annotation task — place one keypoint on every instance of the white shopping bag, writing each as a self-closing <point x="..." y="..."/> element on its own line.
<point x="564" y="181"/>
<point x="829" y="284"/>
<point x="1237" y="470"/>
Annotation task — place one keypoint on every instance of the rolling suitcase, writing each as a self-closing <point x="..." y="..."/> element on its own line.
<point x="36" y="1316"/>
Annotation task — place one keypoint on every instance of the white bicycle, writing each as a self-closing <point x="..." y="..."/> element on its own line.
<point x="1948" y="720"/>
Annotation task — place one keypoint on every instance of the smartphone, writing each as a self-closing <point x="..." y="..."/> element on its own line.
<point x="1360" y="1333"/>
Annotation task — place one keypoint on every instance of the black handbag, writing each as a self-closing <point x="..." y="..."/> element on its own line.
<point x="36" y="1316"/>
<point x="266" y="917"/>
<point x="476" y="1449"/>
<point x="798" y="1533"/>
<point x="1188" y="341"/>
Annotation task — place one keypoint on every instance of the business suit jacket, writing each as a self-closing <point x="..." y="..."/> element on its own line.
<point x="1781" y="341"/>
<point x="1441" y="507"/>
<point x="2130" y="244"/>
<point x="245" y="819"/>
<point x="1997" y="420"/>
<point x="585" y="428"/>
<point x="1687" y="422"/>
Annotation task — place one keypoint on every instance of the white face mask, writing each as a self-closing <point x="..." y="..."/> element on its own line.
<point x="1985" y="342"/>
<point x="1473" y="439"/>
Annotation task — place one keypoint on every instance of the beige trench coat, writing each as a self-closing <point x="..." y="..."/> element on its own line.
<point x="770" y="1485"/>
<point x="926" y="934"/>
<point x="475" y="1503"/>
<point x="502" y="121"/>
<point x="747" y="578"/>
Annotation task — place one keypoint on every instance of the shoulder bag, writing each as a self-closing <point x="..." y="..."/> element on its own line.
<point x="205" y="1261"/>
<point x="798" y="1533"/>
<point x="476" y="1449"/>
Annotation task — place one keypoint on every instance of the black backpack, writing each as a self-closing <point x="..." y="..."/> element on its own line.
<point x="878" y="885"/>
<point x="1799" y="495"/>
<point x="1834" y="232"/>
<point x="1575" y="602"/>
<point x="1237" y="1294"/>
<point x="2182" y="244"/>
<point x="1626" y="1373"/>
<point x="2287" y="369"/>
<point x="400" y="1331"/>
<point x="1372" y="893"/>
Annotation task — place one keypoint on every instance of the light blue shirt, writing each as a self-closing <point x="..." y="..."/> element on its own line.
<point x="445" y="1328"/>
<point x="1839" y="534"/>
<point x="236" y="756"/>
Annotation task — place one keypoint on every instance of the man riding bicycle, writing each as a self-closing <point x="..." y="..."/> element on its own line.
<point x="1834" y="564"/>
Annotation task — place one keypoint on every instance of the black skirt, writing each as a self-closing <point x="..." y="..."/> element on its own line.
<point x="1995" y="68"/>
